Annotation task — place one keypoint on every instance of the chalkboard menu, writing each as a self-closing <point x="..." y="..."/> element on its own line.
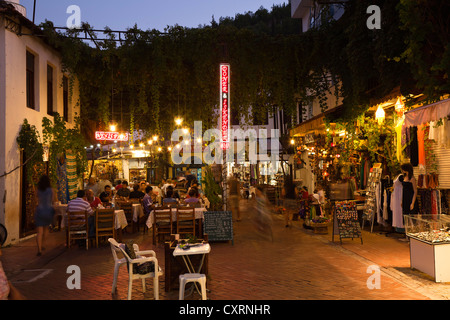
<point x="346" y="220"/>
<point x="218" y="225"/>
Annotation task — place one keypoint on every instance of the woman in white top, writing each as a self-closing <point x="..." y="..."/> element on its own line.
<point x="7" y="291"/>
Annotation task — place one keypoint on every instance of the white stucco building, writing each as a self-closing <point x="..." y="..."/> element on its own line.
<point x="32" y="86"/>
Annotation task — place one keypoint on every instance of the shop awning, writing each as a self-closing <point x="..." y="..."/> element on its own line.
<point x="308" y="126"/>
<point x="315" y="124"/>
<point x="425" y="114"/>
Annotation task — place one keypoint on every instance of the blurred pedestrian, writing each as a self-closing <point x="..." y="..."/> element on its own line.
<point x="234" y="190"/>
<point x="44" y="214"/>
<point x="262" y="214"/>
<point x="7" y="290"/>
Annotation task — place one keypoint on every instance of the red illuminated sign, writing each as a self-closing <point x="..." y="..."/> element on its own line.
<point x="225" y="103"/>
<point x="111" y="136"/>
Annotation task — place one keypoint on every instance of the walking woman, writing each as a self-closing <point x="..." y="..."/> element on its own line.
<point x="409" y="199"/>
<point x="44" y="212"/>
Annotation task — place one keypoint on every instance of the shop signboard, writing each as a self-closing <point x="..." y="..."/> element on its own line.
<point x="111" y="136"/>
<point x="309" y="138"/>
<point x="346" y="222"/>
<point x="218" y="225"/>
<point x="225" y="104"/>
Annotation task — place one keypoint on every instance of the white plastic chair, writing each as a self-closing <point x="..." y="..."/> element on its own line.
<point x="192" y="277"/>
<point x="140" y="259"/>
<point x="117" y="262"/>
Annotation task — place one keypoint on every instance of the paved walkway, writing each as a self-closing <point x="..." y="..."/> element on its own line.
<point x="297" y="265"/>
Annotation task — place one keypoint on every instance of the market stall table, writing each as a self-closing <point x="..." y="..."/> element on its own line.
<point x="201" y="249"/>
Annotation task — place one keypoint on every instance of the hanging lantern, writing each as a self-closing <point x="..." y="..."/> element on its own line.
<point x="399" y="106"/>
<point x="380" y="115"/>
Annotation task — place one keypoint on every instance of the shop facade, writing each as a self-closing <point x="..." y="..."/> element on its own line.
<point x="33" y="86"/>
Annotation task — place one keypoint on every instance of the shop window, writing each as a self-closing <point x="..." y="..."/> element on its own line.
<point x="30" y="68"/>
<point x="66" y="98"/>
<point x="50" y="102"/>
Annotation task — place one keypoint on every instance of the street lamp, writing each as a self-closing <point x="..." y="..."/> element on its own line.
<point x="380" y="115"/>
<point x="178" y="121"/>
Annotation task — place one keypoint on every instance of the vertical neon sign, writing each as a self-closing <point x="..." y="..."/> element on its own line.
<point x="225" y="103"/>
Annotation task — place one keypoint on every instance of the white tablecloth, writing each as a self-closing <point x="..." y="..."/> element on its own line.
<point x="138" y="211"/>
<point x="60" y="210"/>
<point x="199" y="214"/>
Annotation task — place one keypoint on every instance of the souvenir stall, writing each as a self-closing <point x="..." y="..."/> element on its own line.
<point x="427" y="137"/>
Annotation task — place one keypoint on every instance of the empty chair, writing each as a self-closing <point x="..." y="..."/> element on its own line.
<point x="192" y="277"/>
<point x="104" y="224"/>
<point x="162" y="222"/>
<point x="127" y="208"/>
<point x="77" y="227"/>
<point x="186" y="220"/>
<point x="139" y="267"/>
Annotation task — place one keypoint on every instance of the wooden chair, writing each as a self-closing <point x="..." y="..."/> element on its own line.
<point x="162" y="222"/>
<point x="186" y="220"/>
<point x="77" y="227"/>
<point x="104" y="224"/>
<point x="127" y="208"/>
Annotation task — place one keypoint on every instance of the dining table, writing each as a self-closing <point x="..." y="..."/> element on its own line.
<point x="199" y="215"/>
<point x="138" y="211"/>
<point x="120" y="222"/>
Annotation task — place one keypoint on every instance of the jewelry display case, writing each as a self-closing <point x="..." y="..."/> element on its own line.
<point x="432" y="229"/>
<point x="429" y="244"/>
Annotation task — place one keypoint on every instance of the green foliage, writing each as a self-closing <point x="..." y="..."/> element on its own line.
<point x="154" y="76"/>
<point x="426" y="28"/>
<point x="29" y="140"/>
<point x="61" y="141"/>
<point x="212" y="190"/>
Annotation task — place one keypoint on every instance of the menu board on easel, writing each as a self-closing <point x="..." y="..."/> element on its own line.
<point x="346" y="222"/>
<point x="370" y="205"/>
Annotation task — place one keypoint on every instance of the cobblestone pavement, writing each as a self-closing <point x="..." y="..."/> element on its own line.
<point x="296" y="265"/>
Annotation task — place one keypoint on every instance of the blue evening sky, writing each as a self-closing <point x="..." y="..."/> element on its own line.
<point x="147" y="14"/>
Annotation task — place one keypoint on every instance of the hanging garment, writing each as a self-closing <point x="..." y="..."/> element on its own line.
<point x="72" y="178"/>
<point x="398" y="131"/>
<point x="440" y="133"/>
<point x="378" y="202"/>
<point x="396" y="203"/>
<point x="434" y="202"/>
<point x="385" y="206"/>
<point x="425" y="199"/>
<point x="414" y="156"/>
<point x="421" y="144"/>
<point x="406" y="141"/>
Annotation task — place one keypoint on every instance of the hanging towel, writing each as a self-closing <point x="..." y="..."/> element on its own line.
<point x="396" y="204"/>
<point x="414" y="147"/>
<point x="421" y="144"/>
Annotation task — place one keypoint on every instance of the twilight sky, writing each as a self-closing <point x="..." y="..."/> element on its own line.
<point x="147" y="14"/>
